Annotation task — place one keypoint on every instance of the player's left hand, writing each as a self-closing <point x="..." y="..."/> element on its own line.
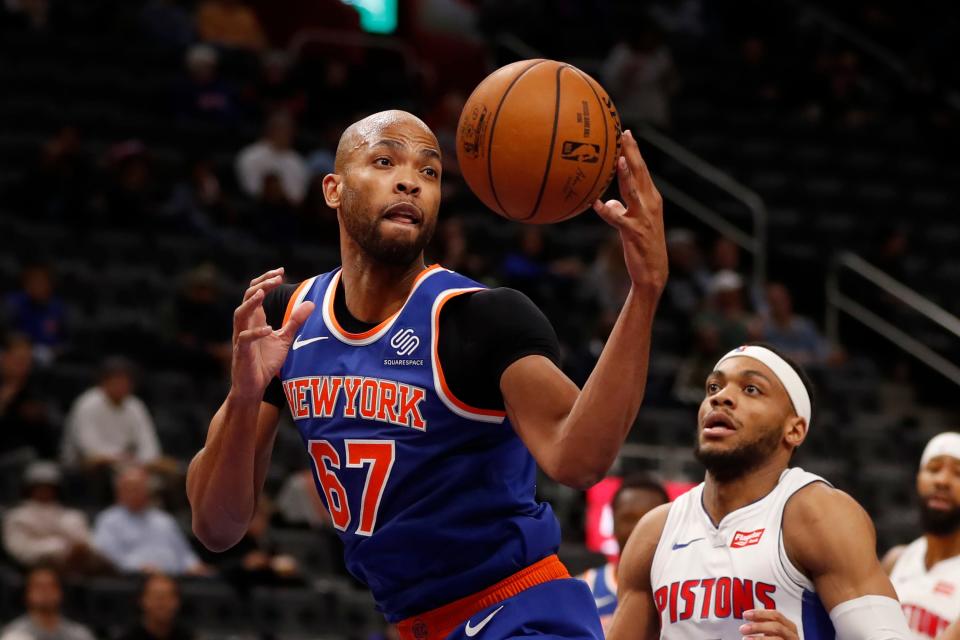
<point x="640" y="222"/>
<point x="768" y="623"/>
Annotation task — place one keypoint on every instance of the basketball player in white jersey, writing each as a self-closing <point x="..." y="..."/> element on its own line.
<point x="926" y="573"/>
<point x="755" y="536"/>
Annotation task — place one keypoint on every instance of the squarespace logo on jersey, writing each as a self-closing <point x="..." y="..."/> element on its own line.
<point x="405" y="342"/>
<point x="712" y="598"/>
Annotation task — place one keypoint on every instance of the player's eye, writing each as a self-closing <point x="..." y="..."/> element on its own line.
<point x="752" y="390"/>
<point x="430" y="171"/>
<point x="383" y="161"/>
<point x="712" y="388"/>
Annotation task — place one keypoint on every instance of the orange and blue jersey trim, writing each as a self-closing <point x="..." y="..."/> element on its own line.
<point x="441" y="622"/>
<point x="371" y="335"/>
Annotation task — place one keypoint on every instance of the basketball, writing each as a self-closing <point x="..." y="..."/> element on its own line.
<point x="538" y="141"/>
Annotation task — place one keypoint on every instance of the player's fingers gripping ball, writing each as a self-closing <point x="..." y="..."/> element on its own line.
<point x="538" y="141"/>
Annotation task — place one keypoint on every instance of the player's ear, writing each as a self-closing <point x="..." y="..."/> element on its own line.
<point x="331" y="190"/>
<point x="795" y="431"/>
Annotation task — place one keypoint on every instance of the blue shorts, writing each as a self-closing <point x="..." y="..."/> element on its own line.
<point x="555" y="609"/>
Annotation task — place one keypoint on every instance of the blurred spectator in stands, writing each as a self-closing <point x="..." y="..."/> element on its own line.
<point x="726" y="322"/>
<point x="253" y="561"/>
<point x="199" y="322"/>
<point x="25" y="421"/>
<point x="530" y="268"/>
<point x="108" y="425"/>
<point x="136" y="536"/>
<point x="892" y="250"/>
<point x="230" y="23"/>
<point x="689" y="279"/>
<point x="204" y="95"/>
<point x="725" y="255"/>
<point x="759" y="76"/>
<point x="43" y="596"/>
<point x="450" y="247"/>
<point x="277" y="88"/>
<point x="683" y="18"/>
<point x="167" y="23"/>
<point x="299" y="504"/>
<point x="29" y="14"/>
<point x="197" y="201"/>
<point x="316" y="221"/>
<point x="796" y="336"/>
<point x="41" y="530"/>
<point x="131" y="197"/>
<point x="606" y="282"/>
<point x="160" y="606"/>
<point x="640" y="76"/>
<point x="57" y="187"/>
<point x="36" y="311"/>
<point x="274" y="154"/>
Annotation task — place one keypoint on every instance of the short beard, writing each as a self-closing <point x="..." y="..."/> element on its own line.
<point x="366" y="232"/>
<point x="726" y="466"/>
<point x="939" y="523"/>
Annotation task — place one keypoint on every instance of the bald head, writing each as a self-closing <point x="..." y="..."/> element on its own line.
<point x="366" y="132"/>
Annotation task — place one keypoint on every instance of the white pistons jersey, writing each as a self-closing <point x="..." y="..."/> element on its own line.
<point x="930" y="598"/>
<point x="704" y="577"/>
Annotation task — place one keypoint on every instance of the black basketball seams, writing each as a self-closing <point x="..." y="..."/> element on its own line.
<point x="606" y="136"/>
<point x="493" y="127"/>
<point x="553" y="141"/>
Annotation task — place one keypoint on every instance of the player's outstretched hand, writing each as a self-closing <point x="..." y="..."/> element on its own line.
<point x="258" y="350"/>
<point x="768" y="623"/>
<point x="640" y="222"/>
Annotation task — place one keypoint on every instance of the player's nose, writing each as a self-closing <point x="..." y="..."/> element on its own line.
<point x="722" y="398"/>
<point x="407" y="186"/>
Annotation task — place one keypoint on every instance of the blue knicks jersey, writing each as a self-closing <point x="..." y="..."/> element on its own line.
<point x="433" y="499"/>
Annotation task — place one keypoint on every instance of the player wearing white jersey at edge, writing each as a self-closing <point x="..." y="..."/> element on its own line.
<point x="926" y="573"/>
<point x="757" y="549"/>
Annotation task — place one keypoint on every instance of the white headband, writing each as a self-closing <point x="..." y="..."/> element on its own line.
<point x="944" y="444"/>
<point x="787" y="375"/>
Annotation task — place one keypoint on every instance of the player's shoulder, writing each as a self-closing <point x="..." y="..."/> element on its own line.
<point x="276" y="301"/>
<point x="820" y="501"/>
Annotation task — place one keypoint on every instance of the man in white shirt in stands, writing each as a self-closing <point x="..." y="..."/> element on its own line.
<point x="107" y="424"/>
<point x="274" y="154"/>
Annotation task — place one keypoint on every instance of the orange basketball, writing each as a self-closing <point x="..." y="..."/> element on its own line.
<point x="538" y="141"/>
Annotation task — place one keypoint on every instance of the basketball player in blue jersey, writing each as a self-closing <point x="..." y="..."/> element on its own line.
<point x="425" y="402"/>
<point x="758" y="548"/>
<point x="637" y="495"/>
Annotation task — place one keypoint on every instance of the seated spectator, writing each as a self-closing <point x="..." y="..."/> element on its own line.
<point x="200" y="322"/>
<point x="197" y="202"/>
<point x="44" y="620"/>
<point x="132" y="194"/>
<point x="230" y="23"/>
<point x="160" y="604"/>
<point x="795" y="336"/>
<point x="25" y="422"/>
<point x="274" y="154"/>
<point x="58" y="185"/>
<point x="299" y="504"/>
<point x="136" y="536"/>
<point x="204" y="95"/>
<point x="40" y="530"/>
<point x="726" y="318"/>
<point x="37" y="311"/>
<point x="689" y="279"/>
<point x="640" y="75"/>
<point x="277" y="88"/>
<point x="108" y="425"/>
<point x="253" y="561"/>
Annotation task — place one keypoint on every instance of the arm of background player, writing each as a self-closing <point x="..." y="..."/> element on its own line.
<point x="951" y="633"/>
<point x="891" y="557"/>
<point x="576" y="436"/>
<point x="636" y="616"/>
<point x="226" y="477"/>
<point x="831" y="539"/>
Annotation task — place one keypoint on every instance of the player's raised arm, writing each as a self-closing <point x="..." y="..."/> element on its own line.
<point x="576" y="435"/>
<point x="636" y="617"/>
<point x="832" y="540"/>
<point x="225" y="478"/>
